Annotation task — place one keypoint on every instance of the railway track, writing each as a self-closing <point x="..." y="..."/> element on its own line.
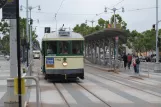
<point x="106" y="78"/>
<point x="94" y="95"/>
<point x="61" y="94"/>
<point x="84" y="88"/>
<point x="117" y="76"/>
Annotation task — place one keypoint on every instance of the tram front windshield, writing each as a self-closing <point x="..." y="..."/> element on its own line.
<point x="64" y="48"/>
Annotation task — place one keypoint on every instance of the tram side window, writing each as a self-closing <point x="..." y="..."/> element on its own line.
<point x="77" y="47"/>
<point x="51" y="48"/>
<point x="64" y="47"/>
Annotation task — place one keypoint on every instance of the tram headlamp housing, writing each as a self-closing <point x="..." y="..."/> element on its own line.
<point x="65" y="63"/>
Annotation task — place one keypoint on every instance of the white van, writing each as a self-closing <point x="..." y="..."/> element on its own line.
<point x="36" y="54"/>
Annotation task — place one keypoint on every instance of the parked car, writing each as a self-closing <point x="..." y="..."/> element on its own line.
<point x="7" y="57"/>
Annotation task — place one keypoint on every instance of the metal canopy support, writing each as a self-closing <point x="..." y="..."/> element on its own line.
<point x="95" y="55"/>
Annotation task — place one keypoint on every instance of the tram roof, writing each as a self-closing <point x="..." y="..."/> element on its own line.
<point x="107" y="33"/>
<point x="56" y="37"/>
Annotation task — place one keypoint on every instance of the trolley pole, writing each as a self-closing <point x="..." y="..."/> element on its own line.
<point x="18" y="54"/>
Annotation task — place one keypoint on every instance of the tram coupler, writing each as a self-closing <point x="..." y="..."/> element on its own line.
<point x="65" y="76"/>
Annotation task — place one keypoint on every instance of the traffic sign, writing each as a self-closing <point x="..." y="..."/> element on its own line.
<point x="47" y="29"/>
<point x="23" y="91"/>
<point x="2" y="3"/>
<point x="9" y="10"/>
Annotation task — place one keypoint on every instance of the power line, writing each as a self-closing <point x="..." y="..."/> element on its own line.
<point x="142" y="9"/>
<point x="118" y="3"/>
<point x="60" y="6"/>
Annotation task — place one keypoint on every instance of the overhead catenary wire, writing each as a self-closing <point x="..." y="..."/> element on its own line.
<point x="139" y="9"/>
<point x="118" y="3"/>
<point x="60" y="6"/>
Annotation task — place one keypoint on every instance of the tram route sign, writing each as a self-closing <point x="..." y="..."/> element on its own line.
<point x="49" y="62"/>
<point x="9" y="10"/>
<point x="2" y="3"/>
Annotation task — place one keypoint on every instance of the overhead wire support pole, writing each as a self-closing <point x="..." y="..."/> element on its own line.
<point x="18" y="53"/>
<point x="116" y="38"/>
<point x="27" y="31"/>
<point x="157" y="65"/>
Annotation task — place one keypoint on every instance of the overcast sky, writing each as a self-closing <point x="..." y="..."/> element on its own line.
<point x="74" y="12"/>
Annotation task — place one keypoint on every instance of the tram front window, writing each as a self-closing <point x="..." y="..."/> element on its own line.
<point x="64" y="47"/>
<point x="51" y="48"/>
<point x="77" y="47"/>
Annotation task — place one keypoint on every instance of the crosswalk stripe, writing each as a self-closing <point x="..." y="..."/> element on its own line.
<point x="2" y="94"/>
<point x="103" y="93"/>
<point x="49" y="94"/>
<point x="150" y="82"/>
<point x="66" y="94"/>
<point x="3" y="82"/>
<point x="153" y="92"/>
<point x="144" y="96"/>
<point x="136" y="93"/>
<point x="87" y="94"/>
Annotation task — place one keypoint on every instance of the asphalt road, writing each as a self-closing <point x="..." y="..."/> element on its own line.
<point x="99" y="89"/>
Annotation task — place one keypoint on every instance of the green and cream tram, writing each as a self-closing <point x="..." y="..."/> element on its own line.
<point x="62" y="55"/>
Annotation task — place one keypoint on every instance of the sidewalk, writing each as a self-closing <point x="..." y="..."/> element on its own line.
<point x="121" y="71"/>
<point x="4" y="74"/>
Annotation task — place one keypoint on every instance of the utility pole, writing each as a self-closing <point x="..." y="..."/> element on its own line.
<point x="27" y="32"/>
<point x="116" y="37"/>
<point x="30" y="8"/>
<point x="92" y="21"/>
<point x="157" y="65"/>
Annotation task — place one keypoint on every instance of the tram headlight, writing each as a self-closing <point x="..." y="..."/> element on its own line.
<point x="65" y="63"/>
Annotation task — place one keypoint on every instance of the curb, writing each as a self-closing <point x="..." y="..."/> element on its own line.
<point x="115" y="71"/>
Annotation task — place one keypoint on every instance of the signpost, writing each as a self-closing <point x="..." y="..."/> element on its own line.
<point x="11" y="11"/>
<point x="2" y="3"/>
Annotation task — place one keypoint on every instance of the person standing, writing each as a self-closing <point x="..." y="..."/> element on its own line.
<point x="129" y="58"/>
<point x="134" y="65"/>
<point x="137" y="64"/>
<point x="125" y="60"/>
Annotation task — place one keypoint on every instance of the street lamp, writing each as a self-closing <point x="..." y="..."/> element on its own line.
<point x="116" y="38"/>
<point x="157" y="65"/>
<point x="114" y="10"/>
<point x="92" y="21"/>
<point x="30" y="8"/>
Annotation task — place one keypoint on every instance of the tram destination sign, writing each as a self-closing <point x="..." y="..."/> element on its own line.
<point x="64" y="33"/>
<point x="9" y="10"/>
<point x="2" y="3"/>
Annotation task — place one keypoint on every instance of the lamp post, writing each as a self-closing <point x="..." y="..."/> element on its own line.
<point x="92" y="21"/>
<point x="157" y="65"/>
<point x="30" y="8"/>
<point x="116" y="38"/>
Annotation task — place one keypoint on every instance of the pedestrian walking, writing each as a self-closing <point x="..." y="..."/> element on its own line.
<point x="134" y="65"/>
<point x="129" y="58"/>
<point x="137" y="64"/>
<point x="125" y="60"/>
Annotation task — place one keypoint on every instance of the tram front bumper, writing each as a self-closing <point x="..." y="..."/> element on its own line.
<point x="65" y="73"/>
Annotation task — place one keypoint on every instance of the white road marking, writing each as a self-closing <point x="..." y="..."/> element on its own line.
<point x="51" y="97"/>
<point x="153" y="92"/>
<point x="87" y="94"/>
<point x="150" y="82"/>
<point x="4" y="75"/>
<point x="48" y="95"/>
<point x="144" y="96"/>
<point x="105" y="94"/>
<point x="2" y="94"/>
<point x="137" y="93"/>
<point x="66" y="94"/>
<point x="3" y="82"/>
